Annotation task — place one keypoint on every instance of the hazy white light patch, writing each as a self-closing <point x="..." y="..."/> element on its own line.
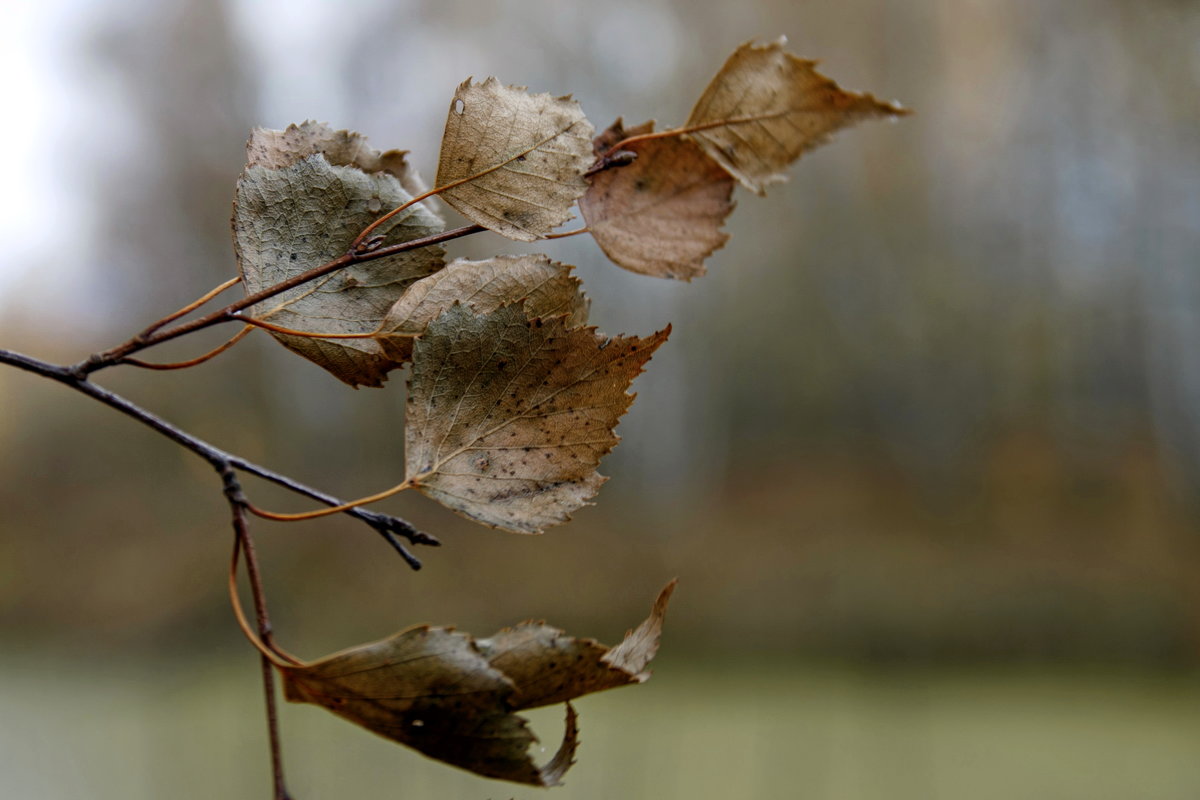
<point x="638" y="46"/>
<point x="69" y="125"/>
<point x="298" y="47"/>
<point x="33" y="95"/>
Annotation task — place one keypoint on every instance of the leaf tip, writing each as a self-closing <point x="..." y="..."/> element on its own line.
<point x="564" y="759"/>
<point x="664" y="595"/>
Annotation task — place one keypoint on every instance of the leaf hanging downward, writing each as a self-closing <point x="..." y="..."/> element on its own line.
<point x="452" y="698"/>
<point x="767" y="107"/>
<point x="508" y="417"/>
<point x="296" y="210"/>
<point x="547" y="287"/>
<point x="517" y="159"/>
<point x="662" y="214"/>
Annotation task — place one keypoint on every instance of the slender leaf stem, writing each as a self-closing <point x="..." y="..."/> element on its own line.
<point x="703" y="126"/>
<point x="192" y="306"/>
<point x="192" y="362"/>
<point x="243" y="543"/>
<point x="324" y="512"/>
<point x="271" y="326"/>
<point x="566" y="234"/>
<point x="361" y="240"/>
<point x="152" y="335"/>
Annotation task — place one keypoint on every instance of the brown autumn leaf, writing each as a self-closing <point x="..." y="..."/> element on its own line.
<point x="547" y="287"/>
<point x="509" y="416"/>
<point x="296" y="210"/>
<point x="547" y="666"/>
<point x="517" y="159"/>
<point x="662" y="213"/>
<point x="767" y="107"/>
<point x="453" y="698"/>
<point x="616" y="133"/>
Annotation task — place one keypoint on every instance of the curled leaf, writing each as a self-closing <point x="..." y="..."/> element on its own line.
<point x="428" y="688"/>
<point x="513" y="161"/>
<point x="766" y="107"/>
<point x="547" y="287"/>
<point x="295" y="211"/>
<point x="278" y="149"/>
<point x="453" y="698"/>
<point x="509" y="416"/>
<point x="662" y="213"/>
<point x="547" y="666"/>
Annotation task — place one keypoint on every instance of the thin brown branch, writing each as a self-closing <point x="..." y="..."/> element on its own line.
<point x="192" y="306"/>
<point x="243" y="543"/>
<point x="150" y="337"/>
<point x="211" y="354"/>
<point x="262" y="634"/>
<point x="359" y="243"/>
<point x="389" y="527"/>
<point x="612" y="159"/>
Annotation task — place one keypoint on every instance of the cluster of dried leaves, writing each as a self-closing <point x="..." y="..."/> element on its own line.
<point x="512" y="398"/>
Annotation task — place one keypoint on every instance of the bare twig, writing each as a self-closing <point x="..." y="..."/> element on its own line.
<point x="192" y="306"/>
<point x="387" y="526"/>
<point x="611" y="160"/>
<point x="243" y="542"/>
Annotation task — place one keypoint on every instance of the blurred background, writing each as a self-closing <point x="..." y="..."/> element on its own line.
<point x="923" y="450"/>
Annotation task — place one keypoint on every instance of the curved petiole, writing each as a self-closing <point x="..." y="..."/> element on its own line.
<point x="242" y="334"/>
<point x="324" y="512"/>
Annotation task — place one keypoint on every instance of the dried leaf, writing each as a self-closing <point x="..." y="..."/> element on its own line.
<point x="547" y="287"/>
<point x="452" y="698"/>
<point x="770" y="107"/>
<point x="662" y="214"/>
<point x="279" y="149"/>
<point x="547" y="666"/>
<point x="295" y="212"/>
<point x="616" y="133"/>
<point x="508" y="417"/>
<point x="522" y="158"/>
<point x="428" y="688"/>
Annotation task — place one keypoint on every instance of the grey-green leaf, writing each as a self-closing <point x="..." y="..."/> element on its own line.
<point x="303" y="212"/>
<point x="547" y="288"/>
